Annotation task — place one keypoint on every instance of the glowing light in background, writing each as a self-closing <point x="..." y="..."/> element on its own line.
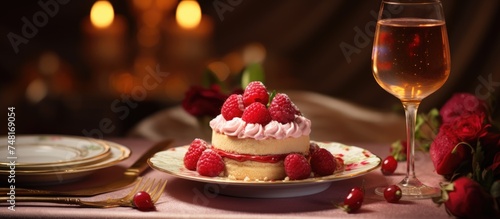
<point x="49" y="63"/>
<point x="102" y="14"/>
<point x="36" y="91"/>
<point x="220" y="69"/>
<point x="188" y="14"/>
<point x="254" y="53"/>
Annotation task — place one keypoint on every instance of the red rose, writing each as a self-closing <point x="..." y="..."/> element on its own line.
<point x="201" y="101"/>
<point x="446" y="152"/>
<point x="462" y="104"/>
<point x="490" y="137"/>
<point x="469" y="128"/>
<point x="469" y="200"/>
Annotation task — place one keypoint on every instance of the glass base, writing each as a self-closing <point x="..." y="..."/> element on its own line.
<point x="413" y="189"/>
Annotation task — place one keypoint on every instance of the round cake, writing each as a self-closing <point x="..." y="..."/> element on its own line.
<point x="260" y="136"/>
<point x="250" y="155"/>
<point x="254" y="133"/>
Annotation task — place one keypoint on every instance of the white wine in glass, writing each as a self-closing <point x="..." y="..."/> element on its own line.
<point x="411" y="60"/>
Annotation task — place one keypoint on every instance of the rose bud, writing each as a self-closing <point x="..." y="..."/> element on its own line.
<point x="469" y="200"/>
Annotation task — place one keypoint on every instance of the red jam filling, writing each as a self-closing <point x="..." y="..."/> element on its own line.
<point x="244" y="157"/>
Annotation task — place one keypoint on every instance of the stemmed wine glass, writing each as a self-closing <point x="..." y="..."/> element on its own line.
<point x="411" y="60"/>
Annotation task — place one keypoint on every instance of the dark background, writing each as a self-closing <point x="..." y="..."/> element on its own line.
<point x="302" y="41"/>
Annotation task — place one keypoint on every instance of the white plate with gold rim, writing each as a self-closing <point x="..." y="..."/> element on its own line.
<point x="47" y="151"/>
<point x="58" y="175"/>
<point x="358" y="161"/>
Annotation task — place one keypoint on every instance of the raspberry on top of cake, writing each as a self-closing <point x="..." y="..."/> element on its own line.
<point x="251" y="116"/>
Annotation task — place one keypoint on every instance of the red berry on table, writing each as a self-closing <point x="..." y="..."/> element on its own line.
<point x="210" y="164"/>
<point x="389" y="165"/>
<point x="297" y="167"/>
<point x="232" y="107"/>
<point x="282" y="109"/>
<point x="142" y="201"/>
<point x="357" y="188"/>
<point x="255" y="92"/>
<point x="392" y="193"/>
<point x="322" y="162"/>
<point x="256" y="113"/>
<point x="354" y="200"/>
<point x="193" y="153"/>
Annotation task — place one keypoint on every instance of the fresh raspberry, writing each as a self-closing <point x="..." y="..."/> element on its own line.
<point x="322" y="162"/>
<point x="256" y="113"/>
<point x="282" y="109"/>
<point x="210" y="164"/>
<point x="297" y="167"/>
<point x="313" y="147"/>
<point x="232" y="107"/>
<point x="255" y="92"/>
<point x="297" y="110"/>
<point x="193" y="153"/>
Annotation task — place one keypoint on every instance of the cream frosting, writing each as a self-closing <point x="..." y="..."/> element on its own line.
<point x="236" y="127"/>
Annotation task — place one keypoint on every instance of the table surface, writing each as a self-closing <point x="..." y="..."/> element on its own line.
<point x="188" y="199"/>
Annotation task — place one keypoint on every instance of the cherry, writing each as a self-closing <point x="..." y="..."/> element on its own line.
<point x="142" y="201"/>
<point x="389" y="165"/>
<point x="354" y="200"/>
<point x="392" y="193"/>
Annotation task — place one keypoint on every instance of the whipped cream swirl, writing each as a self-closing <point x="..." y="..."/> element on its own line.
<point x="236" y="127"/>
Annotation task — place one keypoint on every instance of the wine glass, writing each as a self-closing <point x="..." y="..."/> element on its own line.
<point x="411" y="60"/>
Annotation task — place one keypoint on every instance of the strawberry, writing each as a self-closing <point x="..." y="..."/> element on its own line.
<point x="282" y="109"/>
<point x="193" y="153"/>
<point x="256" y="113"/>
<point x="232" y="107"/>
<point x="297" y="167"/>
<point x="322" y="162"/>
<point x="255" y="92"/>
<point x="210" y="164"/>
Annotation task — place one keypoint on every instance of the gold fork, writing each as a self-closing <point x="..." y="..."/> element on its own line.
<point x="130" y="176"/>
<point x="155" y="189"/>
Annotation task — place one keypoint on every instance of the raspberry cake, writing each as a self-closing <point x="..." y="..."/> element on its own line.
<point x="258" y="137"/>
<point x="254" y="139"/>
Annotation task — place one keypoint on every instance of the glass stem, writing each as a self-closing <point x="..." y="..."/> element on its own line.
<point x="411" y="108"/>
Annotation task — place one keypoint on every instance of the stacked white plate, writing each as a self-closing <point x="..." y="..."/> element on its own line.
<point x="53" y="159"/>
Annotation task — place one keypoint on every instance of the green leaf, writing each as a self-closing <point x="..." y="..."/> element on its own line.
<point x="445" y="188"/>
<point x="209" y="78"/>
<point x="425" y="146"/>
<point x="448" y="187"/>
<point x="495" y="189"/>
<point x="271" y="97"/>
<point x="397" y="149"/>
<point x="418" y="126"/>
<point x="435" y="119"/>
<point x="479" y="156"/>
<point x="253" y="72"/>
<point x="488" y="179"/>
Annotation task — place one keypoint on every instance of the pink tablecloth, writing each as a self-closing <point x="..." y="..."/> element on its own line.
<point x="186" y="199"/>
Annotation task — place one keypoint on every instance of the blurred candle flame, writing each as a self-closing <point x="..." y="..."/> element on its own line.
<point x="102" y="14"/>
<point x="188" y="14"/>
